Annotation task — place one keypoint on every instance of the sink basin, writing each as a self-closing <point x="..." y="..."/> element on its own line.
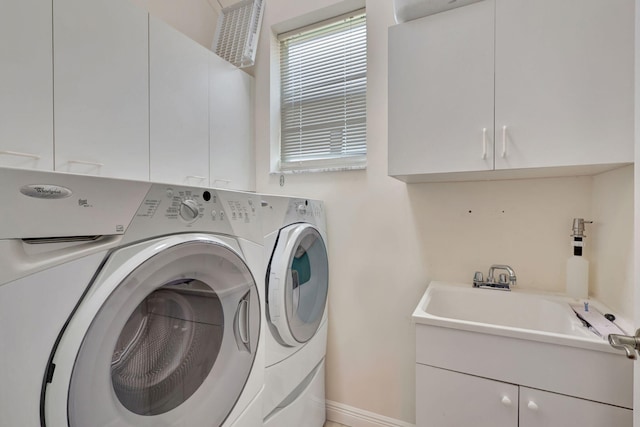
<point x="509" y="309"/>
<point x="517" y="313"/>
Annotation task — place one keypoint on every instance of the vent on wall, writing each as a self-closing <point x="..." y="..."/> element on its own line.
<point x="407" y="10"/>
<point x="237" y="32"/>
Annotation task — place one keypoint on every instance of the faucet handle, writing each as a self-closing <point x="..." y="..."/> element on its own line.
<point x="502" y="279"/>
<point x="477" y="278"/>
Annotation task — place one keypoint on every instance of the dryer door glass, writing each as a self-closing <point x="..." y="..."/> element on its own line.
<point x="174" y="342"/>
<point x="307" y="284"/>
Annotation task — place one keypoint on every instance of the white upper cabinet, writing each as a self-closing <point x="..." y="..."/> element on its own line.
<point x="179" y="107"/>
<point x="554" y="98"/>
<point x="26" y="85"/>
<point x="231" y="132"/>
<point x="101" y="98"/>
<point x="441" y="92"/>
<point x="564" y="82"/>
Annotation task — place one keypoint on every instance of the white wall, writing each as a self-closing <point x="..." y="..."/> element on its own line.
<point x="388" y="239"/>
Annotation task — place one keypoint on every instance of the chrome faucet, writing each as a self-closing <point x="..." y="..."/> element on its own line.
<point x="504" y="281"/>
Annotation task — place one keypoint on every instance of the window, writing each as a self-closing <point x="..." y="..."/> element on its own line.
<point x="323" y="85"/>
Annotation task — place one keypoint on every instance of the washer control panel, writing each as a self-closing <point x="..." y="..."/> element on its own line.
<point x="175" y="209"/>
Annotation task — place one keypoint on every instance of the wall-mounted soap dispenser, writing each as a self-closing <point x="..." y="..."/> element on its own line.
<point x="577" y="265"/>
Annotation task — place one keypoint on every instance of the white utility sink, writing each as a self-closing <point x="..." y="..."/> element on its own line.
<point x="522" y="314"/>
<point x="532" y="339"/>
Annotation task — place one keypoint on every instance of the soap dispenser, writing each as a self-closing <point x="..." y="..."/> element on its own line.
<point x="577" y="265"/>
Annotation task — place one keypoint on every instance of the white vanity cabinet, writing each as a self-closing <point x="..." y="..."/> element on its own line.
<point x="179" y="107"/>
<point x="230" y="126"/>
<point x="26" y="85"/>
<point x="543" y="88"/>
<point x="101" y="80"/>
<point x="448" y="398"/>
<point x="541" y="408"/>
<point x="550" y="381"/>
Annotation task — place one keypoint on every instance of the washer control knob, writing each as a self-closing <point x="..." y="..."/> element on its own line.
<point x="301" y="209"/>
<point x="189" y="210"/>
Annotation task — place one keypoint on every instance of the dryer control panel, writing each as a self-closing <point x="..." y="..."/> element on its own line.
<point x="305" y="210"/>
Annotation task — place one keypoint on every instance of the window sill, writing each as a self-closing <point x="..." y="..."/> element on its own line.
<point x="321" y="166"/>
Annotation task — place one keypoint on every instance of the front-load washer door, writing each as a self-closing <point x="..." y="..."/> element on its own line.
<point x="170" y="342"/>
<point x="297" y="284"/>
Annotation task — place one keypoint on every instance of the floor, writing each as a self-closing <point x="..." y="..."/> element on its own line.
<point x="332" y="424"/>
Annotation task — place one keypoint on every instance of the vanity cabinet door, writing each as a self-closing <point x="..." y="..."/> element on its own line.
<point x="564" y="82"/>
<point x="101" y="100"/>
<point x="451" y="399"/>
<point x="539" y="408"/>
<point x="26" y="85"/>
<point x="441" y="89"/>
<point x="179" y="107"/>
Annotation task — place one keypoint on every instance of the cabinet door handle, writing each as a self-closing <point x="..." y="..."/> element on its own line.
<point x="19" y="154"/>
<point x="532" y="405"/>
<point x="84" y="162"/>
<point x="196" y="177"/>
<point x="504" y="141"/>
<point x="484" y="143"/>
<point x="506" y="401"/>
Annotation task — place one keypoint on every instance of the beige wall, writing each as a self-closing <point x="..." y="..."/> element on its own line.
<point x="194" y="18"/>
<point x="611" y="240"/>
<point x="388" y="239"/>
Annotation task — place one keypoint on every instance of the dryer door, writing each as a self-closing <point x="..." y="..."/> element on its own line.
<point x="298" y="283"/>
<point x="166" y="336"/>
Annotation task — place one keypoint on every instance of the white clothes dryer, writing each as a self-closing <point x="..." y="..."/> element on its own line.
<point x="128" y="303"/>
<point x="297" y="284"/>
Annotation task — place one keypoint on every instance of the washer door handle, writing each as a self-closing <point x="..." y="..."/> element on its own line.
<point x="241" y="323"/>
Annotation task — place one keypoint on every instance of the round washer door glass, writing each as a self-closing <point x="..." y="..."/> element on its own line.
<point x="167" y="347"/>
<point x="306" y="281"/>
<point x="177" y="335"/>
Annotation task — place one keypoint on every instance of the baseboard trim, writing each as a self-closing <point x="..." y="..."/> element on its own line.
<point x="355" y="417"/>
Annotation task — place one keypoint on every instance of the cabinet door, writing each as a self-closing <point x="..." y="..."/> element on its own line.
<point x="564" y="82"/>
<point x="26" y="85"/>
<point x="540" y="408"/>
<point x="179" y="107"/>
<point x="441" y="92"/>
<point x="231" y="131"/>
<point x="101" y="88"/>
<point x="450" y="399"/>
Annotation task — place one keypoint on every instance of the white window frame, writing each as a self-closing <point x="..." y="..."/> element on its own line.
<point x="340" y="161"/>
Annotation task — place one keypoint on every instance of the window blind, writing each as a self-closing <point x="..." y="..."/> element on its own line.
<point x="323" y="94"/>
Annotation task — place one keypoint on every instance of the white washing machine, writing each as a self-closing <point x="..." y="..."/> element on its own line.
<point x="297" y="280"/>
<point x="128" y="303"/>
